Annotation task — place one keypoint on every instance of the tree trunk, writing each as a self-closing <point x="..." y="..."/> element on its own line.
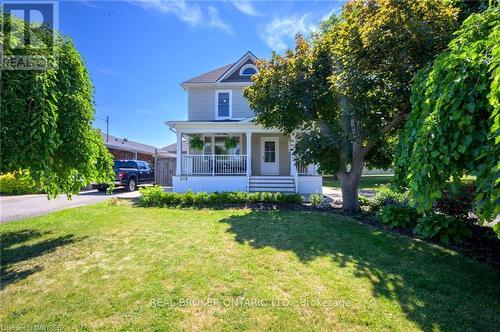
<point x="349" y="182"/>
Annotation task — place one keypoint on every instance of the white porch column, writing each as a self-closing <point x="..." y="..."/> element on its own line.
<point x="293" y="167"/>
<point x="178" y="151"/>
<point x="249" y="153"/>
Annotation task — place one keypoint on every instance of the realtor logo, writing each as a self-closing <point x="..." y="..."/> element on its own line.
<point x="28" y="46"/>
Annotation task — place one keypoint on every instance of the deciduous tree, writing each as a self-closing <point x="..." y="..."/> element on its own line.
<point x="454" y="127"/>
<point x="348" y="89"/>
<point x="46" y="119"/>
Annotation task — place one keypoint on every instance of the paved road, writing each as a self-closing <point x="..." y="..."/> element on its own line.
<point x="18" y="207"/>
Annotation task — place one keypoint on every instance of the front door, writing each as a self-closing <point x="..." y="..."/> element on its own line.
<point x="269" y="163"/>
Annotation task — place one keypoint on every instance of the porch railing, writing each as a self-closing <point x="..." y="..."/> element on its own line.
<point x="214" y="164"/>
<point x="304" y="169"/>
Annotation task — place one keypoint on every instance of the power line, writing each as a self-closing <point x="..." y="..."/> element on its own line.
<point x="107" y="125"/>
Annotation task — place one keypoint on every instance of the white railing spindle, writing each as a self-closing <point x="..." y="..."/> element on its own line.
<point x="214" y="164"/>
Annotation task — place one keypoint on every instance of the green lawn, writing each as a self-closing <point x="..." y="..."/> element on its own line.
<point x="366" y="182"/>
<point x="128" y="268"/>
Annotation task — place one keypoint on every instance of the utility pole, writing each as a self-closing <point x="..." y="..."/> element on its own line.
<point x="107" y="128"/>
<point x="107" y="125"/>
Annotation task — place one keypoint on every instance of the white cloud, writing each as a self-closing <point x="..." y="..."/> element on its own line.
<point x="245" y="7"/>
<point x="189" y="13"/>
<point x="215" y="21"/>
<point x="279" y="34"/>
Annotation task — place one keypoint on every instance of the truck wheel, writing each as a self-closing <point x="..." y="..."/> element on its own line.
<point x="132" y="184"/>
<point x="102" y="188"/>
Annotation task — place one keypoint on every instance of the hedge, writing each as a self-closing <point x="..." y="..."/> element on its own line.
<point x="155" y="196"/>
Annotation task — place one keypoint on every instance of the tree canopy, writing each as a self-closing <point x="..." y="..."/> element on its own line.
<point x="347" y="90"/>
<point x="454" y="127"/>
<point x="46" y="119"/>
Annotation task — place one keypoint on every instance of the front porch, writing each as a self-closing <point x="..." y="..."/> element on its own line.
<point x="261" y="161"/>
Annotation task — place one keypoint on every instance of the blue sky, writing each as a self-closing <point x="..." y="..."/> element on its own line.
<point x="138" y="52"/>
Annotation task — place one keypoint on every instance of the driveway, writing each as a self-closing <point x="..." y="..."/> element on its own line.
<point x="18" y="207"/>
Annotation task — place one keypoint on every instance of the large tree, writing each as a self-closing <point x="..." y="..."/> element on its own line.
<point x="46" y="116"/>
<point x="348" y="89"/>
<point x="454" y="127"/>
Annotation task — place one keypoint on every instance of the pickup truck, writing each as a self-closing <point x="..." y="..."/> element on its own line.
<point x="130" y="174"/>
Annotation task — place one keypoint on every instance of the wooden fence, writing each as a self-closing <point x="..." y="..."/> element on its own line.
<point x="164" y="171"/>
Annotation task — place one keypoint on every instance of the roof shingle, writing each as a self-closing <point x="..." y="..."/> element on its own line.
<point x="211" y="76"/>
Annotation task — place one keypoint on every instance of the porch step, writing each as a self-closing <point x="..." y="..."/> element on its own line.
<point x="272" y="184"/>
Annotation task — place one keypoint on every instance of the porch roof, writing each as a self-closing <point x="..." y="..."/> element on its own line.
<point x="198" y="127"/>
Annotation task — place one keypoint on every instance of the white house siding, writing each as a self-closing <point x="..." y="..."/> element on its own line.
<point x="310" y="184"/>
<point x="201" y="104"/>
<point x="209" y="183"/>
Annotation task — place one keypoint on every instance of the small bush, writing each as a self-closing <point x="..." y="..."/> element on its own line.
<point x="458" y="203"/>
<point x="316" y="199"/>
<point x="364" y="201"/>
<point x="18" y="184"/>
<point x="444" y="228"/>
<point x="385" y="195"/>
<point x="398" y="216"/>
<point x="155" y="196"/>
<point x="151" y="196"/>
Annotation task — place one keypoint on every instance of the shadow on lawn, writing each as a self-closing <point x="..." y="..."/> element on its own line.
<point x="432" y="287"/>
<point x="13" y="251"/>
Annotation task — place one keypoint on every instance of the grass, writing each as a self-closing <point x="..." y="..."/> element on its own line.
<point x="366" y="182"/>
<point x="127" y="268"/>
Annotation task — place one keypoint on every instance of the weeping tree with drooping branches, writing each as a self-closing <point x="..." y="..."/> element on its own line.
<point x="46" y="117"/>
<point x="454" y="127"/>
<point x="347" y="90"/>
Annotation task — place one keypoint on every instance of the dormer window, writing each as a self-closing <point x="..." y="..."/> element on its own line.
<point x="223" y="104"/>
<point x="248" y="70"/>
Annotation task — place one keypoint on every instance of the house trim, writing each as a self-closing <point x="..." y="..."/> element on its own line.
<point x="224" y="85"/>
<point x="248" y="65"/>
<point x="230" y="70"/>
<point x="202" y="127"/>
<point x="217" y="104"/>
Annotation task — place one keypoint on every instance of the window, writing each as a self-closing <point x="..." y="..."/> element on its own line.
<point x="248" y="70"/>
<point x="220" y="147"/>
<point x="223" y="104"/>
<point x="208" y="145"/>
<point x="269" y="152"/>
<point x="125" y="164"/>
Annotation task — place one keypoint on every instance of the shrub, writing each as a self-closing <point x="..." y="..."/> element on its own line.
<point x="364" y="201"/>
<point x="316" y="199"/>
<point x="155" y="196"/>
<point x="444" y="228"/>
<point x="458" y="203"/>
<point x="385" y="195"/>
<point x="292" y="199"/>
<point x="18" y="184"/>
<point x="398" y="216"/>
<point x="151" y="196"/>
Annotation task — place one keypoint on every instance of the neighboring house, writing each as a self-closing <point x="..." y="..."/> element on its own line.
<point x="172" y="148"/>
<point x="122" y="148"/>
<point x="262" y="159"/>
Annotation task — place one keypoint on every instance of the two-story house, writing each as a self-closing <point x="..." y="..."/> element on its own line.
<point x="262" y="159"/>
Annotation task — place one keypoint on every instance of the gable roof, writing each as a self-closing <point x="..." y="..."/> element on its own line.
<point x="237" y="64"/>
<point x="127" y="145"/>
<point x="218" y="74"/>
<point x="211" y="76"/>
<point x="172" y="148"/>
